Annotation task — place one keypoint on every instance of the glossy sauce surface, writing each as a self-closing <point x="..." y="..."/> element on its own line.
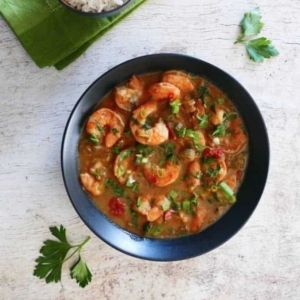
<point x="163" y="155"/>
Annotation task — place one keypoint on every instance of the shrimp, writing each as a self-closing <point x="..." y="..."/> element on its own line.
<point x="237" y="138"/>
<point x="164" y="91"/>
<point x="155" y="210"/>
<point x="198" y="220"/>
<point x="127" y="96"/>
<point x="179" y="79"/>
<point x="105" y="117"/>
<point x="193" y="105"/>
<point x="162" y="176"/>
<point x="193" y="175"/>
<point x="201" y="138"/>
<point x="197" y="137"/>
<point x="215" y="171"/>
<point x="92" y="185"/>
<point x="144" y="205"/>
<point x="193" y="223"/>
<point x="124" y="165"/>
<point x="218" y="117"/>
<point x="153" y="136"/>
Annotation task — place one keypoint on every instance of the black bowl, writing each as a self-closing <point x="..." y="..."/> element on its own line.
<point x="183" y="247"/>
<point x="100" y="14"/>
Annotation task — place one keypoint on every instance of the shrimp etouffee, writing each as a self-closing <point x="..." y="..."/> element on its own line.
<point x="163" y="154"/>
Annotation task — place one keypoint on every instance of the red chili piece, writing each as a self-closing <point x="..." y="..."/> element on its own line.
<point x="168" y="214"/>
<point x="117" y="207"/>
<point x="170" y="96"/>
<point x="171" y="132"/>
<point x="213" y="152"/>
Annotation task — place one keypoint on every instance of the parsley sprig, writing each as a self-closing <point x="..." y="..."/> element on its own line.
<point x="260" y="48"/>
<point x="54" y="254"/>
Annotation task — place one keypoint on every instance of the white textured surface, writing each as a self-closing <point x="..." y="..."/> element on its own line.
<point x="261" y="262"/>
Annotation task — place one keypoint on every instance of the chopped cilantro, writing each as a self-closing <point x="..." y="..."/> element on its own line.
<point x="115" y="131"/>
<point x="144" y="150"/>
<point x="214" y="172"/>
<point x="146" y="227"/>
<point x="221" y="101"/>
<point x="220" y="130"/>
<point x="135" y="187"/>
<point x="135" y="218"/>
<point x="96" y="174"/>
<point x="202" y="91"/>
<point x="135" y="121"/>
<point x="208" y="160"/>
<point x="125" y="154"/>
<point x="99" y="127"/>
<point x="117" y="190"/>
<point x="94" y="138"/>
<point x="203" y="121"/>
<point x="157" y="230"/>
<point x="116" y="150"/>
<point x="146" y="126"/>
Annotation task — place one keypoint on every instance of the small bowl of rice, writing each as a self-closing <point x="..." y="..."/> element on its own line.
<point x="97" y="8"/>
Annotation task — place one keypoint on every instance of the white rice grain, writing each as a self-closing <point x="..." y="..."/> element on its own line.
<point x="95" y="6"/>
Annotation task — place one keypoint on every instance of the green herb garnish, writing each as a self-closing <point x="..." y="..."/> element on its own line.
<point x="96" y="174"/>
<point x="202" y="92"/>
<point x="135" y="218"/>
<point x="139" y="202"/>
<point x="157" y="230"/>
<point x="135" y="121"/>
<point x="251" y="24"/>
<point x="175" y="106"/>
<point x="260" y="48"/>
<point x="53" y="255"/>
<point x="221" y="101"/>
<point x="99" y="127"/>
<point x="214" y="172"/>
<point x="117" y="189"/>
<point x="146" y="227"/>
<point x="208" y="160"/>
<point x="135" y="187"/>
<point x="220" y="130"/>
<point x="144" y="150"/>
<point x="203" y="121"/>
<point x="146" y="126"/>
<point x="94" y="138"/>
<point x="115" y="131"/>
<point x="125" y="154"/>
<point x="116" y="150"/>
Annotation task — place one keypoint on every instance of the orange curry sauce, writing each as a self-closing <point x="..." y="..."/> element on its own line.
<point x="163" y="155"/>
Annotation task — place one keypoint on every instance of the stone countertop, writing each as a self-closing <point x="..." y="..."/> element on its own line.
<point x="262" y="261"/>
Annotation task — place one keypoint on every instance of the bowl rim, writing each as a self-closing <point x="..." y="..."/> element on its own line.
<point x="102" y="14"/>
<point x="149" y="243"/>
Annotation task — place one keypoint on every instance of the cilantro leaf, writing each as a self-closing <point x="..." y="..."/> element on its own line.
<point x="251" y="24"/>
<point x="260" y="48"/>
<point x="53" y="255"/>
<point x="81" y="273"/>
<point x="116" y="188"/>
<point x="203" y="121"/>
<point x="220" y="130"/>
<point x="94" y="138"/>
